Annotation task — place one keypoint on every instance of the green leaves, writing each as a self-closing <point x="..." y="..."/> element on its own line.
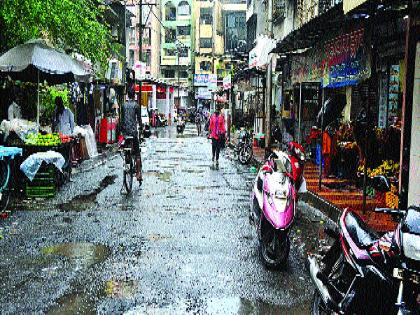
<point x="67" y="24"/>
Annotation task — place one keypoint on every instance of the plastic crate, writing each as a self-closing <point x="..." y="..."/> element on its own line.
<point x="44" y="184"/>
<point x="40" y="191"/>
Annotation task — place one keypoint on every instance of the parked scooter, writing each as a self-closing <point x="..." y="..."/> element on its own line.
<point x="363" y="273"/>
<point x="297" y="161"/>
<point x="180" y="126"/>
<point x="273" y="208"/>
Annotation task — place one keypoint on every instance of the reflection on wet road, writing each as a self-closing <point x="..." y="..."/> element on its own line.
<point x="180" y="244"/>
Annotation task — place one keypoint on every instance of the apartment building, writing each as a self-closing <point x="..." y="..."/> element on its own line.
<point x="151" y="36"/>
<point x="176" y="41"/>
<point x="219" y="34"/>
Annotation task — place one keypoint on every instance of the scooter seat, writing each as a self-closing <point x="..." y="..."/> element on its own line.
<point x="362" y="235"/>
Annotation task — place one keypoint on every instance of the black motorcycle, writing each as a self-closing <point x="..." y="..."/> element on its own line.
<point x="180" y="126"/>
<point x="364" y="273"/>
<point x="243" y="149"/>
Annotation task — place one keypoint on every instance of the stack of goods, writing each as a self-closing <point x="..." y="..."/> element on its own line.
<point x="388" y="168"/>
<point x="38" y="139"/>
<point x="65" y="138"/>
<point x="44" y="183"/>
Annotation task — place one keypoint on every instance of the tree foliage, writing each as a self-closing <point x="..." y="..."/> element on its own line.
<point x="67" y="24"/>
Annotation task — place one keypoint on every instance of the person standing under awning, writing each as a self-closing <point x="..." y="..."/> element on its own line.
<point x="63" y="119"/>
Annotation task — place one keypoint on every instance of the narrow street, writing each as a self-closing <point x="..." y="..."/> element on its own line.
<point x="180" y="244"/>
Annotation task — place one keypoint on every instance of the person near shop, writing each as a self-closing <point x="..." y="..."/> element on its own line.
<point x="63" y="118"/>
<point x="217" y="132"/>
<point x="329" y="149"/>
<point x="14" y="111"/>
<point x="131" y="120"/>
<point x="198" y="119"/>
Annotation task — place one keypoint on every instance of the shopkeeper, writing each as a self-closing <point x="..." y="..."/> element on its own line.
<point x="63" y="119"/>
<point x="14" y="111"/>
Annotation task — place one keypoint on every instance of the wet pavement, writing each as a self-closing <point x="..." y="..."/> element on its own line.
<point x="180" y="244"/>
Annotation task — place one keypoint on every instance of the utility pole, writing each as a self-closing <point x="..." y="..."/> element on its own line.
<point x="140" y="53"/>
<point x="179" y="100"/>
<point x="269" y="84"/>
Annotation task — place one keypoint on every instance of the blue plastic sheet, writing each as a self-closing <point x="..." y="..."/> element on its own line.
<point x="32" y="164"/>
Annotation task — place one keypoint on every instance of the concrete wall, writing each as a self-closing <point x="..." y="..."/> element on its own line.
<point x="414" y="177"/>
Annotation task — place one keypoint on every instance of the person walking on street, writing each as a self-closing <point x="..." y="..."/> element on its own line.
<point x="198" y="122"/>
<point x="217" y="131"/>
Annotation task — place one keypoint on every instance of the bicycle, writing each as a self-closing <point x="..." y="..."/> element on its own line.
<point x="6" y="155"/>
<point x="126" y="151"/>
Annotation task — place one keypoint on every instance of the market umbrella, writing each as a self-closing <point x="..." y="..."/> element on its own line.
<point x="35" y="61"/>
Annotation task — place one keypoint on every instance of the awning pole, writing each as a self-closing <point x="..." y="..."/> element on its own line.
<point x="300" y="113"/>
<point x="322" y="134"/>
<point x="37" y="107"/>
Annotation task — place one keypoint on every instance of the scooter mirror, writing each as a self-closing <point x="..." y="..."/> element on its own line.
<point x="381" y="183"/>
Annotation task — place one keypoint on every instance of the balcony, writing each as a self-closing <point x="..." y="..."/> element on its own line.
<point x="325" y="5"/>
<point x="279" y="10"/>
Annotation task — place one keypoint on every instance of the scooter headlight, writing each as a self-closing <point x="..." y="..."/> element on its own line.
<point x="411" y="246"/>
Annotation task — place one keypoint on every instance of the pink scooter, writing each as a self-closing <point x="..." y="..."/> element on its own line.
<point x="273" y="208"/>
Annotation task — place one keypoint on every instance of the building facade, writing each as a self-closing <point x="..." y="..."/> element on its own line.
<point x="219" y="34"/>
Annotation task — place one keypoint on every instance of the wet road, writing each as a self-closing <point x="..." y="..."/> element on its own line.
<point x="180" y="244"/>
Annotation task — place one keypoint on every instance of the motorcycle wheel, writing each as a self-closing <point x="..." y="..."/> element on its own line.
<point x="245" y="154"/>
<point x="274" y="248"/>
<point x="318" y="306"/>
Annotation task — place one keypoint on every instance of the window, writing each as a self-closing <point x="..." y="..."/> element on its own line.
<point x="147" y="57"/>
<point x="170" y="11"/>
<point x="169" y="73"/>
<point x="205" y="66"/>
<point x="206" y="16"/>
<point x="131" y="58"/>
<point x="170" y="36"/>
<point x="170" y="52"/>
<point x="184" y="30"/>
<point x="183" y="74"/>
<point x="206" y="42"/>
<point x="132" y="35"/>
<point x="184" y="8"/>
<point x="183" y="52"/>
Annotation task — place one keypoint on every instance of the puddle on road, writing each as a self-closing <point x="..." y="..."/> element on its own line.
<point x="163" y="176"/>
<point x="82" y="202"/>
<point x="221" y="306"/>
<point x="74" y="303"/>
<point x="85" y="254"/>
<point x="157" y="237"/>
<point x="121" y="289"/>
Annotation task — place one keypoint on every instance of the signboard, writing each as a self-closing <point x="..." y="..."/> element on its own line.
<point x="227" y="82"/>
<point x="206" y="80"/>
<point x="342" y="61"/>
<point x="140" y="70"/>
<point x="203" y="93"/>
<point x="349" y="5"/>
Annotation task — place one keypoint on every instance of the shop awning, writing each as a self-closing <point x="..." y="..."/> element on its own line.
<point x="246" y="73"/>
<point x="313" y="31"/>
<point x="368" y="6"/>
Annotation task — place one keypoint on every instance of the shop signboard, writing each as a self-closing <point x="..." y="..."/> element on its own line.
<point x="206" y="80"/>
<point x="227" y="82"/>
<point x="203" y="93"/>
<point x="342" y="61"/>
<point x="394" y="92"/>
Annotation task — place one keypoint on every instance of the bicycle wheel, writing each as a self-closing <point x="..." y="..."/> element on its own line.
<point x="4" y="183"/>
<point x="128" y="172"/>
